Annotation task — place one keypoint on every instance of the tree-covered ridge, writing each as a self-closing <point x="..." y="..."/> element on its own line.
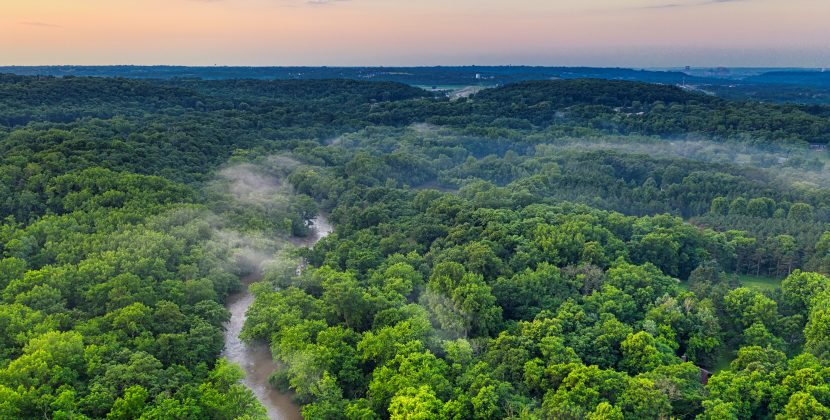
<point x="612" y="93"/>
<point x="345" y="92"/>
<point x="25" y="99"/>
<point x="800" y="87"/>
<point x="64" y="100"/>
<point x="640" y="108"/>
<point x="619" y="107"/>
<point x="493" y="257"/>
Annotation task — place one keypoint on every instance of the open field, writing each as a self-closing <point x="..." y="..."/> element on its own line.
<point x="455" y="91"/>
<point x="727" y="355"/>
<point x="759" y="283"/>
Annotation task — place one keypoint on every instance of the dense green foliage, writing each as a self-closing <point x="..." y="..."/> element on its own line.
<point x="800" y="87"/>
<point x="517" y="254"/>
<point x="627" y="108"/>
<point x="497" y="301"/>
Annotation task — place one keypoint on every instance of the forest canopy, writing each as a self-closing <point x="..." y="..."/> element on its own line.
<point x="546" y="249"/>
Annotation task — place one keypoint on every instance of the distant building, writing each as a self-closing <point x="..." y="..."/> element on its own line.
<point x="818" y="147"/>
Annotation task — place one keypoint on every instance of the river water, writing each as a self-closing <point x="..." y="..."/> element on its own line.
<point x="255" y="358"/>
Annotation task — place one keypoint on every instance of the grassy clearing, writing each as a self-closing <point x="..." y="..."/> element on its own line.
<point x="727" y="355"/>
<point x="759" y="283"/>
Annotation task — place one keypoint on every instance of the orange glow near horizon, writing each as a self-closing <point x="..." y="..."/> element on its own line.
<point x="426" y="32"/>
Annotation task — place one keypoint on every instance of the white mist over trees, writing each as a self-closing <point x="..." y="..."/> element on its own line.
<point x="551" y="249"/>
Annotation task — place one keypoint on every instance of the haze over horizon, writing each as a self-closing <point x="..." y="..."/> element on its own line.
<point x="636" y="33"/>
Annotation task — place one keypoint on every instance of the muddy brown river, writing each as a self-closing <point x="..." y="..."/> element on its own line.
<point x="255" y="358"/>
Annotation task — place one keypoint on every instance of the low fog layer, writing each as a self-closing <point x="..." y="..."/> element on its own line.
<point x="796" y="165"/>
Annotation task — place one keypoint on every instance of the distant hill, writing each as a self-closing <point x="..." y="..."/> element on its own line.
<point x="612" y="93"/>
<point x="800" y="86"/>
<point x="645" y="108"/>
<point x="809" y="78"/>
<point x="598" y="105"/>
<point x="438" y="75"/>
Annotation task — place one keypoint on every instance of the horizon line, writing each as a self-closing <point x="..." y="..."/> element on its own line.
<point x="419" y="66"/>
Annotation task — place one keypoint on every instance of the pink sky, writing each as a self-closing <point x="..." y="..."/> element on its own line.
<point x="638" y="33"/>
